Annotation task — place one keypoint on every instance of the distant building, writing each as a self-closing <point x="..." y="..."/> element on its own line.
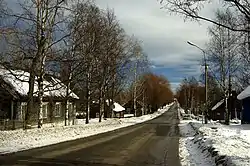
<point x="218" y="111"/>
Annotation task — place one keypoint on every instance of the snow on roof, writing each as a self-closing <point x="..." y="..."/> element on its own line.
<point x="118" y="107"/>
<point x="244" y="94"/>
<point x="218" y="104"/>
<point x="18" y="79"/>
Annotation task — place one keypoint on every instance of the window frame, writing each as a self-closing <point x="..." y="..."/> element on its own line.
<point x="55" y="112"/>
<point x="22" y="112"/>
<point x="47" y="106"/>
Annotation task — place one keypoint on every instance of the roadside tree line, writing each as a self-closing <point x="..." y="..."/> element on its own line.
<point x="79" y="43"/>
<point x="227" y="50"/>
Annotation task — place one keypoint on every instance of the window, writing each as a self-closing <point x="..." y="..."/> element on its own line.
<point x="57" y="110"/>
<point x="70" y="106"/>
<point x="45" y="110"/>
<point x="23" y="111"/>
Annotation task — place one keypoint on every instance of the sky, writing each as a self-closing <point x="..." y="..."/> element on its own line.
<point x="164" y="36"/>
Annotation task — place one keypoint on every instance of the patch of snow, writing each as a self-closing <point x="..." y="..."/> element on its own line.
<point x="17" y="140"/>
<point x="128" y="115"/>
<point x="182" y="111"/>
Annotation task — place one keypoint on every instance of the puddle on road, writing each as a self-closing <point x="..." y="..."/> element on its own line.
<point x="162" y="130"/>
<point x="167" y="130"/>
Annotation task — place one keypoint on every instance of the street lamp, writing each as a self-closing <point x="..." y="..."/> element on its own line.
<point x="205" y="61"/>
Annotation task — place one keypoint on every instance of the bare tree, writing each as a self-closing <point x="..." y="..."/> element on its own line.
<point x="35" y="30"/>
<point x="191" y="10"/>
<point x="223" y="52"/>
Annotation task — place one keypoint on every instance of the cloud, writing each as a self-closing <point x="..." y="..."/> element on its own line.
<point x="164" y="36"/>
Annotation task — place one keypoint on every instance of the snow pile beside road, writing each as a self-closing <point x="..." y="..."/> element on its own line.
<point x="190" y="153"/>
<point x="18" y="140"/>
<point x="231" y="143"/>
<point x="135" y="120"/>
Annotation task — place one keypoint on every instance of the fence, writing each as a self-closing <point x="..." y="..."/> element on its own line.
<point x="6" y="124"/>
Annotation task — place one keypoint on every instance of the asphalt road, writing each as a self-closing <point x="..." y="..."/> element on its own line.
<point x="155" y="142"/>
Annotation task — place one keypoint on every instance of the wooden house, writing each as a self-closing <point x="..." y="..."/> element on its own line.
<point x="114" y="110"/>
<point x="118" y="110"/>
<point x="129" y="107"/>
<point x="14" y="88"/>
<point x="219" y="109"/>
<point x="244" y="96"/>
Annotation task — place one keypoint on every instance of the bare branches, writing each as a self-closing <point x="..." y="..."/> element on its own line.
<point x="191" y="10"/>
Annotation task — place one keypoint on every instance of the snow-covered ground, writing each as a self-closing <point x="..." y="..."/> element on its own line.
<point x="232" y="141"/>
<point x="214" y="143"/>
<point x="17" y="140"/>
<point x="190" y="154"/>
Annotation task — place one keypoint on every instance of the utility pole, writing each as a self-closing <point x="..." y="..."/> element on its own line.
<point x="206" y="112"/>
<point x="206" y="81"/>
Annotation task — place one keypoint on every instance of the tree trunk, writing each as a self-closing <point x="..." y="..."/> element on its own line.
<point x="67" y="97"/>
<point x="143" y="101"/>
<point x="102" y="102"/>
<point x="30" y="102"/>
<point x="40" y="86"/>
<point x="40" y="102"/>
<point x="66" y="121"/>
<point x="88" y="98"/>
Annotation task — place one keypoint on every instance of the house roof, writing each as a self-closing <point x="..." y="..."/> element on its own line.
<point x="218" y="104"/>
<point x="244" y="94"/>
<point x="18" y="79"/>
<point x="118" y="107"/>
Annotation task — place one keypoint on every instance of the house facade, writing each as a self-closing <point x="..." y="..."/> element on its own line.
<point x="244" y="96"/>
<point x="111" y="109"/>
<point x="129" y="108"/>
<point x="13" y="101"/>
<point x="218" y="111"/>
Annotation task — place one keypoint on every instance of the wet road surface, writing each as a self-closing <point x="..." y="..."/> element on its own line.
<point x="155" y="142"/>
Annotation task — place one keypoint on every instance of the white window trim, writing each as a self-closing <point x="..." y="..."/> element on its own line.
<point x="70" y="105"/>
<point x="58" y="103"/>
<point x="21" y="111"/>
<point x="47" y="105"/>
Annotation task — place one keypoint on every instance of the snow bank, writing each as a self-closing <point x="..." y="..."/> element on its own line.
<point x="228" y="144"/>
<point x="17" y="140"/>
<point x="190" y="153"/>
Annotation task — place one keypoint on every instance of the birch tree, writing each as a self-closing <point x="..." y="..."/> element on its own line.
<point x="36" y="25"/>
<point x="223" y="53"/>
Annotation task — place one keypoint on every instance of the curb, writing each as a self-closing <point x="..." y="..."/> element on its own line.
<point x="220" y="160"/>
